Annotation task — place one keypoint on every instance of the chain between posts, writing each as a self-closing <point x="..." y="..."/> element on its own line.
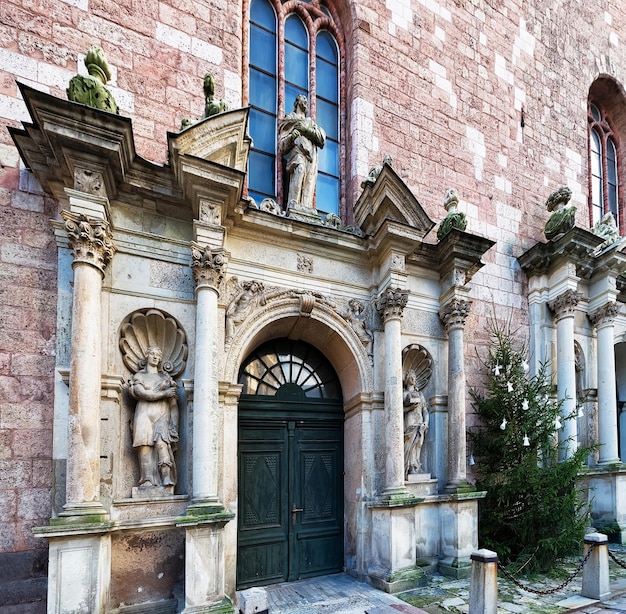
<point x="616" y="560"/>
<point x="549" y="591"/>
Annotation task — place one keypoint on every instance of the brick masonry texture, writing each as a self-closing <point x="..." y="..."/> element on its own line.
<point x="441" y="86"/>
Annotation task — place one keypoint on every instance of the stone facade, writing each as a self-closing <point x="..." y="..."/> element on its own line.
<point x="488" y="98"/>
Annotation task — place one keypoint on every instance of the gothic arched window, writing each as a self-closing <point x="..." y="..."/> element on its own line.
<point x="603" y="171"/>
<point x="293" y="49"/>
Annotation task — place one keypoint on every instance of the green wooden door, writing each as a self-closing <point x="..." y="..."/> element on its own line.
<point x="290" y="501"/>
<point x="290" y="516"/>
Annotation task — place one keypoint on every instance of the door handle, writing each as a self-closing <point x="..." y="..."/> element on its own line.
<point x="294" y="511"/>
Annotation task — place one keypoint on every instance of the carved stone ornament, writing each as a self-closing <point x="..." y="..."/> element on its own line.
<point x="90" y="239"/>
<point x="455" y="313"/>
<point x="305" y="263"/>
<point x="91" y="90"/>
<point x="607" y="229"/>
<point x="563" y="215"/>
<point x="604" y="315"/>
<point x="208" y="266"/>
<point x="154" y="350"/>
<point x="210" y="213"/>
<point x="357" y="315"/>
<point x="89" y="181"/>
<point x="372" y="176"/>
<point x="391" y="302"/>
<point x="454" y="218"/>
<point x="565" y="304"/>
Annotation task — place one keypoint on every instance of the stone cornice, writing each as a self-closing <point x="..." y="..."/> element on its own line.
<point x="577" y="246"/>
<point x="391" y="303"/>
<point x="90" y="239"/>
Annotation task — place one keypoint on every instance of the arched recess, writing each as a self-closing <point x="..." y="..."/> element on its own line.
<point x="322" y="327"/>
<point x="290" y="316"/>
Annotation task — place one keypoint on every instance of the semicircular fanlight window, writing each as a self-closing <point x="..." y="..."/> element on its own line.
<point x="284" y="363"/>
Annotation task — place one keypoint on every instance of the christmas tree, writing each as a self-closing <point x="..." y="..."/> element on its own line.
<point x="532" y="514"/>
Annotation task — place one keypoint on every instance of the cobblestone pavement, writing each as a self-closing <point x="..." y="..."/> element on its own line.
<point x="444" y="595"/>
<point x="342" y="594"/>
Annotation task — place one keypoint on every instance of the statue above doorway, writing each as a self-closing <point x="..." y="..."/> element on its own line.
<point x="299" y="138"/>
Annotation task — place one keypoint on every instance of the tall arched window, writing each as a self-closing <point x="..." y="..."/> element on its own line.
<point x="293" y="49"/>
<point x="603" y="189"/>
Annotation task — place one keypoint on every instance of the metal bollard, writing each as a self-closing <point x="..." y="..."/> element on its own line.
<point x="484" y="583"/>
<point x="596" y="569"/>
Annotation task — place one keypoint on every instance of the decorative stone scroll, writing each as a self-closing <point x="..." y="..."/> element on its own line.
<point x="208" y="266"/>
<point x="455" y="313"/>
<point x="90" y="239"/>
<point x="565" y="304"/>
<point x="154" y="350"/>
<point x="604" y="315"/>
<point x="391" y="303"/>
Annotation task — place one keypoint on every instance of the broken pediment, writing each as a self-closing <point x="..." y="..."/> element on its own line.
<point x="389" y="200"/>
<point x="68" y="138"/>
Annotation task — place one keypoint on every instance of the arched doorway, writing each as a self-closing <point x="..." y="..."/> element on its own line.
<point x="290" y="465"/>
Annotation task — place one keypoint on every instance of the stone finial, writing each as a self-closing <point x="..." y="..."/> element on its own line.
<point x="607" y="229"/>
<point x="562" y="218"/>
<point x="211" y="105"/>
<point x="372" y="176"/>
<point x="454" y="219"/>
<point x="91" y="90"/>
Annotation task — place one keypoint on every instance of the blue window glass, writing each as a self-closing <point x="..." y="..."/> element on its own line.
<point x="290" y="49"/>
<point x="263" y="111"/>
<point x="611" y="172"/>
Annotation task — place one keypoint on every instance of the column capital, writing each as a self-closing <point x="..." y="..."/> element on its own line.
<point x="455" y="312"/>
<point x="90" y="239"/>
<point x="604" y="315"/>
<point x="564" y="304"/>
<point x="391" y="303"/>
<point x="208" y="265"/>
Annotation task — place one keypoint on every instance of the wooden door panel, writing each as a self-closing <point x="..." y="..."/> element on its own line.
<point x="319" y="488"/>
<point x="263" y="521"/>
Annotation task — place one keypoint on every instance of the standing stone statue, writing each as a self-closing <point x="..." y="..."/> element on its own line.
<point x="416" y="418"/>
<point x="299" y="138"/>
<point x="212" y="106"/>
<point x="91" y="90"/>
<point x="155" y="427"/>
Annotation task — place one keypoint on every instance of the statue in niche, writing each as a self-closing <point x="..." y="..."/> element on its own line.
<point x="155" y="427"/>
<point x="299" y="138"/>
<point x="154" y="350"/>
<point x="417" y="371"/>
<point x="91" y="90"/>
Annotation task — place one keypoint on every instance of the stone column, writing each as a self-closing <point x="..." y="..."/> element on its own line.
<point x="564" y="308"/>
<point x="391" y="304"/>
<point x="208" y="267"/>
<point x="92" y="246"/>
<point x="453" y="316"/>
<point x="604" y="320"/>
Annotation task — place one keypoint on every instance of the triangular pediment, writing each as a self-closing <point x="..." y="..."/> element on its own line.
<point x="389" y="199"/>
